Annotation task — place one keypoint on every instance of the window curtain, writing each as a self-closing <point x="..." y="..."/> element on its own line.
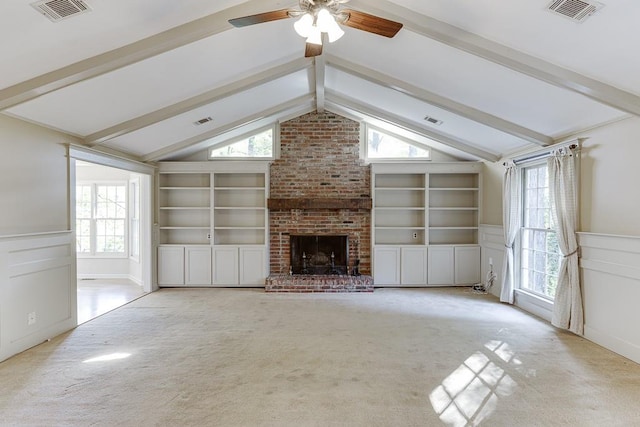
<point x="511" y="222"/>
<point x="567" y="308"/>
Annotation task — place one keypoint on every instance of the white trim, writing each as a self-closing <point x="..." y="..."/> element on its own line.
<point x="611" y="284"/>
<point x="533" y="304"/>
<point x="122" y="276"/>
<point x="242" y="137"/>
<point x="365" y="143"/>
<point x="623" y="347"/>
<point x="93" y="156"/>
<point x="45" y="263"/>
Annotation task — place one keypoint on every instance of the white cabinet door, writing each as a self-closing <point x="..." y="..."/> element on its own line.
<point x="413" y="266"/>
<point x="170" y="265"/>
<point x="252" y="266"/>
<point x="197" y="265"/>
<point x="225" y="266"/>
<point x="441" y="265"/>
<point x="386" y="266"/>
<point x="467" y="265"/>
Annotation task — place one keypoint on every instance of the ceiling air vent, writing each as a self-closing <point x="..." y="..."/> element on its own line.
<point x="576" y="10"/>
<point x="202" y="121"/>
<point x="433" y="120"/>
<point x="57" y="10"/>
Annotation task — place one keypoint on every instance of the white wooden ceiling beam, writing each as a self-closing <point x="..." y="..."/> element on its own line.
<point x="441" y="137"/>
<point x="502" y="55"/>
<point x="134" y="52"/>
<point x="205" y="98"/>
<point x="439" y="101"/>
<point x="320" y="81"/>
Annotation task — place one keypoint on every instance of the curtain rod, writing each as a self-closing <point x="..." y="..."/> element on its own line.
<point x="544" y="152"/>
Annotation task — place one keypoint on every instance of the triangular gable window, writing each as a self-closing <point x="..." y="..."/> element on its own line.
<point x="382" y="145"/>
<point x="259" y="146"/>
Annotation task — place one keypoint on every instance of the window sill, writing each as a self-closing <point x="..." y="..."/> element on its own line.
<point x="534" y="304"/>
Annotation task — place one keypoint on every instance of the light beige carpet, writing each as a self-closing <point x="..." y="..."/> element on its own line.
<point x="216" y="357"/>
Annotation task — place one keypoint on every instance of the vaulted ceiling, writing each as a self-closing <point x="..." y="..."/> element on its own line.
<point x="134" y="76"/>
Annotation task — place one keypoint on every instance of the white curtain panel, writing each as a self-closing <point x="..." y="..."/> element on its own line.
<point x="567" y="308"/>
<point x="511" y="220"/>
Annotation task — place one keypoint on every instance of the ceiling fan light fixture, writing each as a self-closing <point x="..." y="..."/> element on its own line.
<point x="327" y="24"/>
<point x="304" y="25"/>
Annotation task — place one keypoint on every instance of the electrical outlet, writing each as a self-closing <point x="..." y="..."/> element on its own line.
<point x="208" y="236"/>
<point x="415" y="235"/>
<point x="31" y="318"/>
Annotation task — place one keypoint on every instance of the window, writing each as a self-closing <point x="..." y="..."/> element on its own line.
<point x="101" y="215"/>
<point x="259" y="146"/>
<point x="381" y="145"/>
<point x="539" y="252"/>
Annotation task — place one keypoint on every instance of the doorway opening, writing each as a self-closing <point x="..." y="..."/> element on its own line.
<point x="112" y="223"/>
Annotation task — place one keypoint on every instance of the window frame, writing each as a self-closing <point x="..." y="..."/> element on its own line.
<point x="275" y="153"/>
<point x="365" y="147"/>
<point x="93" y="253"/>
<point x="543" y="298"/>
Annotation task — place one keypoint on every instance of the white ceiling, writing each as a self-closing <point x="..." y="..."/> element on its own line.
<point x="135" y="76"/>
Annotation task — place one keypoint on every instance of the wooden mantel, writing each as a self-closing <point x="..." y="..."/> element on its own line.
<point x="320" y="203"/>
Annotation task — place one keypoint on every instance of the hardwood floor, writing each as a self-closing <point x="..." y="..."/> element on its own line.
<point x="99" y="296"/>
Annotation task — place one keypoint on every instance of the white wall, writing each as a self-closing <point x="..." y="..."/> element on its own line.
<point x="610" y="200"/>
<point x="37" y="266"/>
<point x="33" y="188"/>
<point x="492" y="193"/>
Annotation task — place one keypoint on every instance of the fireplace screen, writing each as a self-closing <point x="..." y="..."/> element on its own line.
<point x="311" y="254"/>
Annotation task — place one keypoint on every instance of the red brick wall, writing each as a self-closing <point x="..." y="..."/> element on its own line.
<point x="319" y="157"/>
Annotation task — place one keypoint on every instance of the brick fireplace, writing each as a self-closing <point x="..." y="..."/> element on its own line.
<point x="319" y="186"/>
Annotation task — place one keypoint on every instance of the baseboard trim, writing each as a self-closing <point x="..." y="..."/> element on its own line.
<point x="615" y="344"/>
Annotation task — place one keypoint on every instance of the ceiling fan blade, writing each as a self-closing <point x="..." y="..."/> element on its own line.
<point x="259" y="18"/>
<point x="312" y="50"/>
<point x="371" y="23"/>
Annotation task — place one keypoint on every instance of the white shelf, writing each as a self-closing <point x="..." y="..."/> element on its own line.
<point x="239" y="208"/>
<point x="453" y="228"/>
<point x="239" y="228"/>
<point x="239" y="211"/>
<point x="185" y="208"/>
<point x="454" y="189"/>
<point x="452" y="209"/>
<point x="239" y="188"/>
<point x="183" y="228"/>
<point x="184" y="188"/>
<point x="442" y="207"/>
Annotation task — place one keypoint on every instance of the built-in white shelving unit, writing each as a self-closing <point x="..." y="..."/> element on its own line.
<point x="240" y="213"/>
<point x="423" y="215"/>
<point x="399" y="209"/>
<point x="212" y="223"/>
<point x="184" y="208"/>
<point x="453" y="208"/>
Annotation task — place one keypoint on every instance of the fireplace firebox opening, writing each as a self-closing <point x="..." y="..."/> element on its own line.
<point x="318" y="254"/>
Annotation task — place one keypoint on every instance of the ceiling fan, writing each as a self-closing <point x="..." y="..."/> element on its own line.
<point x="318" y="17"/>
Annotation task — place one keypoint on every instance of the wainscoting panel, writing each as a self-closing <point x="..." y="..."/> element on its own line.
<point x="611" y="284"/>
<point x="37" y="289"/>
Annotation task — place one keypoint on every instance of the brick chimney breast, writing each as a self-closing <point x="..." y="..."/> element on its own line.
<point x="320" y="158"/>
